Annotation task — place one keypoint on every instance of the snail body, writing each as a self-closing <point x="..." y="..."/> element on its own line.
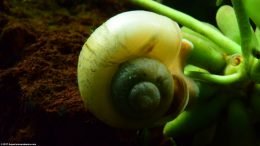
<point x="113" y="50"/>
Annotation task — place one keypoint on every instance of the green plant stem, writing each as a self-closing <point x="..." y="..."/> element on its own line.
<point x="244" y="27"/>
<point x="227" y="44"/>
<point x="209" y="58"/>
<point x="218" y="79"/>
<point x="249" y="44"/>
<point x="255" y="69"/>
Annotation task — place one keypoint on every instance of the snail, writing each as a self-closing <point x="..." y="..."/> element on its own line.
<point x="130" y="70"/>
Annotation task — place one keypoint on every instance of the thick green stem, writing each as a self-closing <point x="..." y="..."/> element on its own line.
<point x="250" y="50"/>
<point x="204" y="54"/>
<point x="244" y="27"/>
<point x="227" y="44"/>
<point x="218" y="79"/>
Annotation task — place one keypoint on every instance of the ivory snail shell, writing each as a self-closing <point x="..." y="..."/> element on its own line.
<point x="123" y="55"/>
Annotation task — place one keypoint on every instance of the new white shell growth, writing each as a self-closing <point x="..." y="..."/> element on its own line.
<point x="123" y="37"/>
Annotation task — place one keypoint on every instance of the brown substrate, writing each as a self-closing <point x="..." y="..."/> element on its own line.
<point x="39" y="99"/>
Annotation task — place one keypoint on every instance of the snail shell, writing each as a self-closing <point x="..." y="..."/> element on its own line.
<point x="124" y="37"/>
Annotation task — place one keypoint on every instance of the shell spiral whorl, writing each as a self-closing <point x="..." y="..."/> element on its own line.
<point x="142" y="89"/>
